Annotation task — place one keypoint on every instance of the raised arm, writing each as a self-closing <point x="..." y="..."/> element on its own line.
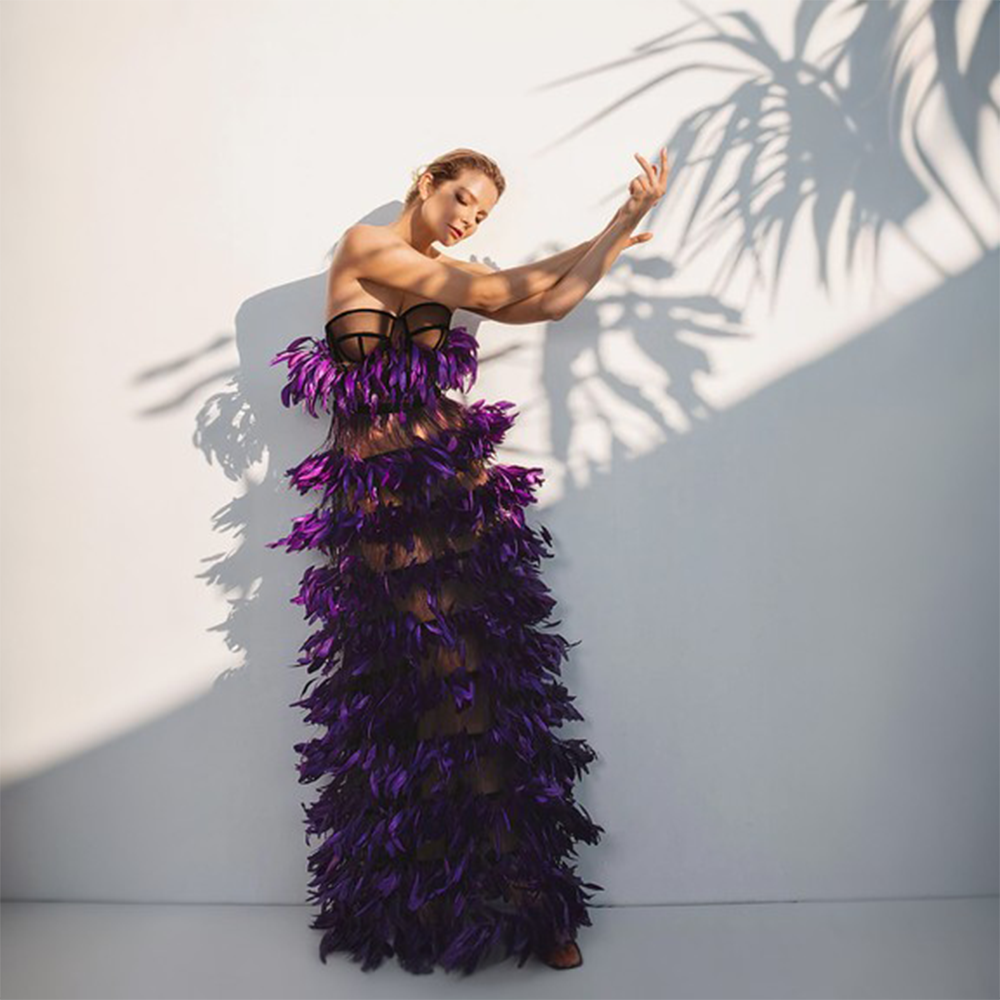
<point x="373" y="252"/>
<point x="538" y="308"/>
<point x="644" y="192"/>
<point x="584" y="265"/>
<point x="529" y="310"/>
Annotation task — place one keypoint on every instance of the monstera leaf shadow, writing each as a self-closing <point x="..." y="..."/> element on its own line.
<point x="620" y="374"/>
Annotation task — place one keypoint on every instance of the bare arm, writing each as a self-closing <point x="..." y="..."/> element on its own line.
<point x="538" y="308"/>
<point x="372" y="252"/>
<point x="573" y="287"/>
<point x="529" y="310"/>
<point x="644" y="192"/>
<point x="588" y="264"/>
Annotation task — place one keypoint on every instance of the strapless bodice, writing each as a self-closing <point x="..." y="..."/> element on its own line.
<point x="354" y="333"/>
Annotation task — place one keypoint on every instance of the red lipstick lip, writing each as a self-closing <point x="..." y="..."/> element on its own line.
<point x="455" y="231"/>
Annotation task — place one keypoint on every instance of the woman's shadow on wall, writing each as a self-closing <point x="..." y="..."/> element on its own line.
<point x="212" y="785"/>
<point x="202" y="804"/>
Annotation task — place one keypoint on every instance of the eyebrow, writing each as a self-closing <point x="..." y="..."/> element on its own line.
<point x="462" y="187"/>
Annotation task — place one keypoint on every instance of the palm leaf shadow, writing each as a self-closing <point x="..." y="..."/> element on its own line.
<point x="827" y="130"/>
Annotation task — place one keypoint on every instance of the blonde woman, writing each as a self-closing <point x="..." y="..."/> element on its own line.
<point x="446" y="816"/>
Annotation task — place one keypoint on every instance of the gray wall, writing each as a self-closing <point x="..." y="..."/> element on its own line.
<point x="784" y="578"/>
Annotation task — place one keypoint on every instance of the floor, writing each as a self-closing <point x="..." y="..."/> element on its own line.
<point x="936" y="948"/>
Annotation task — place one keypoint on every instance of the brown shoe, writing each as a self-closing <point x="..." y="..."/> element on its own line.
<point x="564" y="956"/>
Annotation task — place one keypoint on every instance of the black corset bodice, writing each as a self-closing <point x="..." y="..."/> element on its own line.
<point x="355" y="333"/>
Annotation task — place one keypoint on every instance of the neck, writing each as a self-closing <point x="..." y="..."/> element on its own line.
<point x="410" y="229"/>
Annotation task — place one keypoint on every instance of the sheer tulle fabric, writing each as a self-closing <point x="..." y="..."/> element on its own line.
<point x="447" y="815"/>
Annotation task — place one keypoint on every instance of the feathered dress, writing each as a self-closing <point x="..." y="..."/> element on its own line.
<point x="446" y="815"/>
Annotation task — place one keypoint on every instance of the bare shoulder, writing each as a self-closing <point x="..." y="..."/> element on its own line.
<point x="361" y="235"/>
<point x="361" y="240"/>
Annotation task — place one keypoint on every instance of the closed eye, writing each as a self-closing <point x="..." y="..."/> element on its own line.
<point x="463" y="202"/>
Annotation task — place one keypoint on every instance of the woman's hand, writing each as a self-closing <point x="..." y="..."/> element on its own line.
<point x="645" y="191"/>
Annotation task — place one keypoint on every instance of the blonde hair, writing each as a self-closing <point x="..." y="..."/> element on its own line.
<point x="449" y="165"/>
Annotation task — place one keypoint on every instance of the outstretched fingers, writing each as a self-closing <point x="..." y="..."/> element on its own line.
<point x="650" y="172"/>
<point x="656" y="174"/>
<point x="645" y="190"/>
<point x="661" y="181"/>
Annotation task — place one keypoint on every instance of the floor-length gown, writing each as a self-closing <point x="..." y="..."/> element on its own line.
<point x="447" y="814"/>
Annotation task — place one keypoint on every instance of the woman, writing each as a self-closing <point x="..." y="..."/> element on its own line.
<point x="448" y="811"/>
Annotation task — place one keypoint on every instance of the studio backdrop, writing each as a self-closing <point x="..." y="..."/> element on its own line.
<point x="769" y="434"/>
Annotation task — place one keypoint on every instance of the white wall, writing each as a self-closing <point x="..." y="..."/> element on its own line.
<point x="774" y="506"/>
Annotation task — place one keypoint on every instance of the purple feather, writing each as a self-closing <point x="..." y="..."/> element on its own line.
<point x="388" y="788"/>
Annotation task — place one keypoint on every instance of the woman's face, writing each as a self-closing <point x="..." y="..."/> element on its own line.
<point x="457" y="208"/>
